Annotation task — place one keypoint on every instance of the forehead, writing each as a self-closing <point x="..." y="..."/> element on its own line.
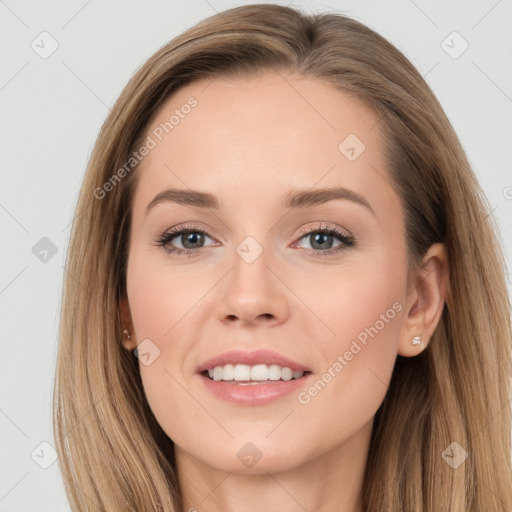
<point x="264" y="136"/>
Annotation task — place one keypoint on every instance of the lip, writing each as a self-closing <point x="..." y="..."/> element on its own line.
<point x="253" y="394"/>
<point x="257" y="394"/>
<point x="261" y="356"/>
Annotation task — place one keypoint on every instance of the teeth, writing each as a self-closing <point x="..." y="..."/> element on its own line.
<point x="228" y="372"/>
<point x="259" y="372"/>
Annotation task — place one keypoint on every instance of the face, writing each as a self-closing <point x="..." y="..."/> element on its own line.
<point x="296" y="258"/>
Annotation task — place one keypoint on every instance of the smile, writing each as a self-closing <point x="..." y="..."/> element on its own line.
<point x="246" y="374"/>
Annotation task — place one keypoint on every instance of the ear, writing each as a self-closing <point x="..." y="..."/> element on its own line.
<point x="428" y="290"/>
<point x="126" y="322"/>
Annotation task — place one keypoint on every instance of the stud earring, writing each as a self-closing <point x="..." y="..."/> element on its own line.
<point x="127" y="334"/>
<point x="416" y="340"/>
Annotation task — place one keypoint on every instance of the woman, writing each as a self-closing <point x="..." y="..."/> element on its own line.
<point x="290" y="293"/>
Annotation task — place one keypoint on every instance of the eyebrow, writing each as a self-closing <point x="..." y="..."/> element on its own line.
<point x="291" y="200"/>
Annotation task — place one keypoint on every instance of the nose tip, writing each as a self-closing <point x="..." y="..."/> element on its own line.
<point x="252" y="294"/>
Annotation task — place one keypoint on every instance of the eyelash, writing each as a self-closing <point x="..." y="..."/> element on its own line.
<point x="166" y="237"/>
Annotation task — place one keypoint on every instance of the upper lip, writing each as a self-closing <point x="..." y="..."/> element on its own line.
<point x="252" y="358"/>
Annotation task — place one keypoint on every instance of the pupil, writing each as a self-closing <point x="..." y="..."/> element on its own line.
<point x="319" y="238"/>
<point x="193" y="238"/>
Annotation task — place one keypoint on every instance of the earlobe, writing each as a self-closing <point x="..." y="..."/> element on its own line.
<point x="129" y="342"/>
<point x="426" y="301"/>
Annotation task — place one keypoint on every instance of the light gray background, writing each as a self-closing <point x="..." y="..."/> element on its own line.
<point x="51" y="113"/>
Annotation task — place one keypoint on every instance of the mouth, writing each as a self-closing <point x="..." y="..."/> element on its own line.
<point x="255" y="378"/>
<point x="247" y="375"/>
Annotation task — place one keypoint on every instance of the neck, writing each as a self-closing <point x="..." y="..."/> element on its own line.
<point x="323" y="482"/>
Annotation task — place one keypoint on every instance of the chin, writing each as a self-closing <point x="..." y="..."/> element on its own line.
<point x="253" y="455"/>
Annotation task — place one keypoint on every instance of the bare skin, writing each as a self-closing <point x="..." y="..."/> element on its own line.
<point x="249" y="143"/>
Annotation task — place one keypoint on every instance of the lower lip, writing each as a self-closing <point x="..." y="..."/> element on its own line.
<point x="254" y="394"/>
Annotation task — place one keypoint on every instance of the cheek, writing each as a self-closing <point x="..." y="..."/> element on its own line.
<point x="361" y="300"/>
<point x="161" y="297"/>
<point x="364" y="313"/>
<point x="165" y="301"/>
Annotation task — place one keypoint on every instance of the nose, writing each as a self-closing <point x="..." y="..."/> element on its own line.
<point x="253" y="294"/>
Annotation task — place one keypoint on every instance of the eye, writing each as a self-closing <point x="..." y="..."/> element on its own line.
<point x="189" y="239"/>
<point x="322" y="238"/>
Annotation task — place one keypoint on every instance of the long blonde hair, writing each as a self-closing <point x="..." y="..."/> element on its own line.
<point x="113" y="454"/>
